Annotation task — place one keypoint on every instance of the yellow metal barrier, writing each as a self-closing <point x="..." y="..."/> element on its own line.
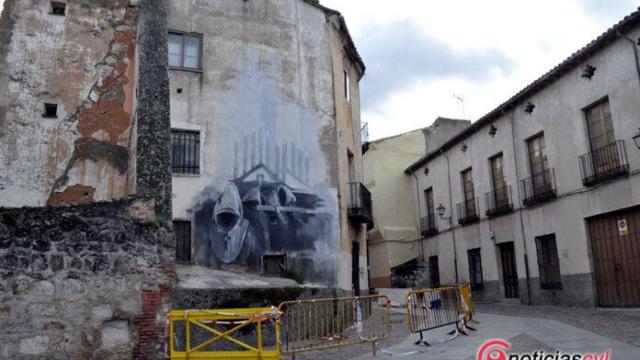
<point x="309" y="325"/>
<point x="467" y="304"/>
<point x="239" y="334"/>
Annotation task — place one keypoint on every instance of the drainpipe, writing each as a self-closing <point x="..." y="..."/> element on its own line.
<point x="419" y="214"/>
<point x="524" y="238"/>
<point x="635" y="52"/>
<point x="453" y="233"/>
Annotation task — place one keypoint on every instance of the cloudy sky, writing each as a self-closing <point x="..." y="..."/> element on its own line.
<point x="420" y="53"/>
<point x="423" y="56"/>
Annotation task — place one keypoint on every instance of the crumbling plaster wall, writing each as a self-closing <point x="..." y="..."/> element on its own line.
<point x="85" y="63"/>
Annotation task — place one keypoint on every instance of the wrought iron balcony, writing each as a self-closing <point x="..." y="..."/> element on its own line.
<point x="468" y="211"/>
<point x="539" y="187"/>
<point x="607" y="162"/>
<point x="360" y="209"/>
<point x="428" y="225"/>
<point x="498" y="201"/>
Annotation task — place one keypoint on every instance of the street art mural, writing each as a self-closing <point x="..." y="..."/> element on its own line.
<point x="269" y="206"/>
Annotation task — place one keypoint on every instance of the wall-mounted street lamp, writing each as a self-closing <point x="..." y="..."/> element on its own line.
<point x="441" y="210"/>
<point x="636" y="139"/>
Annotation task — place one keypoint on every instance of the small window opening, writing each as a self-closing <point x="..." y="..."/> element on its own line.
<point x="274" y="264"/>
<point x="50" y="110"/>
<point x="58" y="8"/>
<point x="347" y="89"/>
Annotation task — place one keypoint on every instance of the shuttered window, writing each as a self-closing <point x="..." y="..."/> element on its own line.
<point x="548" y="262"/>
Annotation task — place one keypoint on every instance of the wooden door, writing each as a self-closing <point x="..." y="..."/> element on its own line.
<point x="434" y="271"/>
<point x="509" y="271"/>
<point x="615" y="244"/>
<point x="475" y="269"/>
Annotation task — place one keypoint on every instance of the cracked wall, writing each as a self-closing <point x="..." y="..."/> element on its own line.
<point x="85" y="63"/>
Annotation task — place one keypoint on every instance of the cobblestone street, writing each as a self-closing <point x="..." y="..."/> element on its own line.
<point x="618" y="325"/>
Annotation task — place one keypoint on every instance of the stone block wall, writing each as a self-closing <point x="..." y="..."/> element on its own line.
<point x="84" y="282"/>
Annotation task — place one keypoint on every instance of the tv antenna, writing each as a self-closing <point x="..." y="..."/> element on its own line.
<point x="460" y="99"/>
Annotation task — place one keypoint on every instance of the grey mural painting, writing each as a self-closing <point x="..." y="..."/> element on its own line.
<point x="267" y="207"/>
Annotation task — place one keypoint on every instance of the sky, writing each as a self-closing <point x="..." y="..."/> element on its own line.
<point x="461" y="58"/>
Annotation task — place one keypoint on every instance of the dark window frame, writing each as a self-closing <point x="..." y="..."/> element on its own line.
<point x="190" y="164"/>
<point x="469" y="192"/>
<point x="183" y="35"/>
<point x="183" y="251"/>
<point x="548" y="262"/>
<point x="58" y="8"/>
<point x="472" y="255"/>
<point x="50" y="111"/>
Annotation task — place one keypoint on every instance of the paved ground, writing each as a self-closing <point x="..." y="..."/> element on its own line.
<point x="527" y="328"/>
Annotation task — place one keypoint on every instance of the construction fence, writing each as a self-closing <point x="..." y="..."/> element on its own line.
<point x="311" y="325"/>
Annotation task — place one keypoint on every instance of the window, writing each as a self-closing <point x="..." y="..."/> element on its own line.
<point x="50" y="110"/>
<point x="537" y="155"/>
<point x="468" y="192"/>
<point x="605" y="154"/>
<point x="475" y="269"/>
<point x="182" y="230"/>
<point x="274" y="264"/>
<point x="347" y="89"/>
<point x="498" y="182"/>
<point x="434" y="272"/>
<point x="428" y="194"/>
<point x="599" y="125"/>
<point x="185" y="51"/>
<point x="185" y="152"/>
<point x="548" y="262"/>
<point x="58" y="8"/>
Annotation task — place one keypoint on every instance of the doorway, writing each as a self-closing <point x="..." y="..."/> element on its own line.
<point x="509" y="271"/>
<point x="355" y="268"/>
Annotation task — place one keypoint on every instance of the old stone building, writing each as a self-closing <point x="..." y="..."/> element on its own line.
<point x="265" y="117"/>
<point x="248" y="110"/>
<point x="395" y="237"/>
<point x="86" y="251"/>
<point x="539" y="199"/>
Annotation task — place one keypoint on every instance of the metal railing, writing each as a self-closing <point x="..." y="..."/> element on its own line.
<point x="428" y="225"/>
<point x="468" y="211"/>
<point x="498" y="201"/>
<point x="605" y="163"/>
<point x="360" y="209"/>
<point x="317" y="324"/>
<point x="539" y="187"/>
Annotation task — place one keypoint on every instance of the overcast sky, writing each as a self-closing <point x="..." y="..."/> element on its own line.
<point x="420" y="53"/>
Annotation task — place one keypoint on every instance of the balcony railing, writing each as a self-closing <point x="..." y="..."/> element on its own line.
<point x="539" y="187"/>
<point x="498" y="201"/>
<point x="468" y="211"/>
<point x="360" y="210"/>
<point x="605" y="163"/>
<point x="428" y="225"/>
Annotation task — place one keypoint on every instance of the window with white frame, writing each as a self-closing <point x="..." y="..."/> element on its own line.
<point x="185" y="51"/>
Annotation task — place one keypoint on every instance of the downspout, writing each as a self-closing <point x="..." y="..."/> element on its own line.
<point x="453" y="233"/>
<point x="524" y="238"/>
<point x="635" y="52"/>
<point x="419" y="214"/>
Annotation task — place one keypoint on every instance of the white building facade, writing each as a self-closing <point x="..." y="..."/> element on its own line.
<point x="540" y="199"/>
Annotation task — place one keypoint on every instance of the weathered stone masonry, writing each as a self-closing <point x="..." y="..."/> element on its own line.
<point x="84" y="282"/>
